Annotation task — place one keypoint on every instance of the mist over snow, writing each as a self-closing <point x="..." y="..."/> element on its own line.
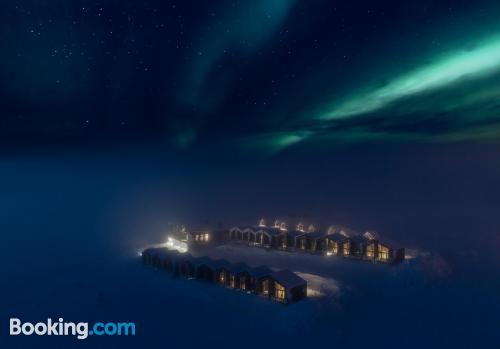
<point x="71" y="225"/>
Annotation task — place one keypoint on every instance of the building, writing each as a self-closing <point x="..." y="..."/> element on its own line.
<point x="337" y="241"/>
<point x="204" y="269"/>
<point x="268" y="237"/>
<point x="357" y="244"/>
<point x="381" y="252"/>
<point x="156" y="257"/>
<point x="221" y="271"/>
<point x="283" y="286"/>
<point x="206" y="236"/>
<point x="292" y="239"/>
<point x="335" y="244"/>
<point x="257" y="274"/>
<point x="238" y="276"/>
<point x="314" y="242"/>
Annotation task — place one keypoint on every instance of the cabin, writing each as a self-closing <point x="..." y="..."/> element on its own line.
<point x="198" y="236"/>
<point x="206" y="236"/>
<point x="283" y="286"/>
<point x="381" y="252"/>
<point x="357" y="246"/>
<point x="263" y="237"/>
<point x="269" y="237"/>
<point x="186" y="266"/>
<point x="251" y="236"/>
<point x="221" y="271"/>
<point x="240" y="233"/>
<point x="303" y="243"/>
<point x="238" y="276"/>
<point x="147" y="256"/>
<point x="180" y="264"/>
<point x="292" y="239"/>
<point x="256" y="275"/>
<point x="168" y="263"/>
<point x="335" y="244"/>
<point x="204" y="269"/>
<point x="156" y="257"/>
<point x="314" y="242"/>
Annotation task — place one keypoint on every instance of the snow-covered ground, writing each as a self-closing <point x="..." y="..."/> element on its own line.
<point x="70" y="233"/>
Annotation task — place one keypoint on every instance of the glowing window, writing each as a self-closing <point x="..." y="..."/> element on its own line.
<point x="370" y="250"/>
<point x="279" y="291"/>
<point x="265" y="287"/>
<point x="346" y="248"/>
<point x="383" y="252"/>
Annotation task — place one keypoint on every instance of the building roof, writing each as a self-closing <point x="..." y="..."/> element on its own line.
<point x="260" y="271"/>
<point x="273" y="231"/>
<point x="237" y="268"/>
<point x="160" y="252"/>
<point x="179" y="257"/>
<point x="359" y="239"/>
<point x="391" y="245"/>
<point x="148" y="251"/>
<point x="203" y="261"/>
<point x="288" y="278"/>
<point x="221" y="263"/>
<point x="241" y="228"/>
<point x="337" y="237"/>
<point x="295" y="233"/>
<point x="198" y="232"/>
<point x="316" y="235"/>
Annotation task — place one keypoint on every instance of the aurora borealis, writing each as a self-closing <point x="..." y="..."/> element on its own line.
<point x="262" y="76"/>
<point x="120" y="119"/>
<point x="476" y="64"/>
<point x="460" y="88"/>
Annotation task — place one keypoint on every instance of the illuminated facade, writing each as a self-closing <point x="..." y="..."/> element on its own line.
<point x="283" y="286"/>
<point x="336" y="241"/>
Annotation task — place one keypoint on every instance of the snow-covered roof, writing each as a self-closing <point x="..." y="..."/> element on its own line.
<point x="288" y="278"/>
<point x="316" y="235"/>
<point x="203" y="261"/>
<point x="160" y="252"/>
<point x="241" y="228"/>
<point x="360" y="239"/>
<point x="337" y="237"/>
<point x="238" y="267"/>
<point x="295" y="233"/>
<point x="268" y="231"/>
<point x="221" y="263"/>
<point x="179" y="257"/>
<point x="260" y="271"/>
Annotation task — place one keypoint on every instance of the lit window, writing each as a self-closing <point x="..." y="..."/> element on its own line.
<point x="370" y="250"/>
<point x="383" y="252"/>
<point x="279" y="291"/>
<point x="346" y="247"/>
<point x="265" y="287"/>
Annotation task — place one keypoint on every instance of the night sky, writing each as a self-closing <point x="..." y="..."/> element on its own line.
<point x="120" y="118"/>
<point x="261" y="76"/>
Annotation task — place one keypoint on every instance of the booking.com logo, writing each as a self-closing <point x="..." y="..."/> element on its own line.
<point x="82" y="330"/>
